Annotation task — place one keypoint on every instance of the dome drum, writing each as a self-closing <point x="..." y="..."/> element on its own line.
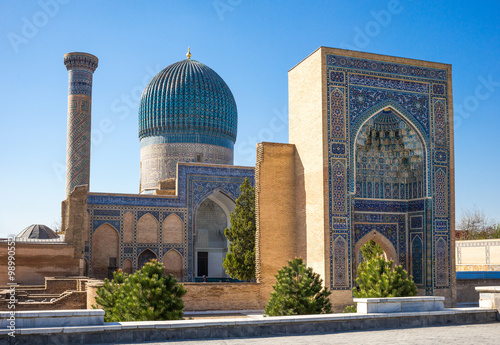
<point x="187" y="113"/>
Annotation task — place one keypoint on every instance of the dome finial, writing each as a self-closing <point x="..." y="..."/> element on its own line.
<point x="189" y="53"/>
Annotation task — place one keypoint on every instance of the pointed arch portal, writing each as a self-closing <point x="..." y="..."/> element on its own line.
<point x="146" y="256"/>
<point x="211" y="245"/>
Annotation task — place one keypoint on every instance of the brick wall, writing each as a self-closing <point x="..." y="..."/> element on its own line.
<point x="222" y="296"/>
<point x="35" y="261"/>
<point x="466" y="292"/>
<point x="209" y="296"/>
<point x="275" y="208"/>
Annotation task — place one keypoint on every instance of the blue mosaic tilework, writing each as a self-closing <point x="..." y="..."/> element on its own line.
<point x="416" y="205"/>
<point x="338" y="149"/>
<point x="442" y="269"/>
<point x="417" y="265"/>
<point x="359" y="89"/>
<point x="386" y="83"/>
<point x="416" y="222"/>
<point x="80" y="68"/>
<point x="385" y="67"/>
<point x="155" y="214"/>
<point x="439" y="89"/>
<point x="337" y="77"/>
<point x="112" y="213"/>
<point x="195" y="183"/>
<point x="187" y="97"/>
<point x="341" y="276"/>
<point x="441" y="225"/>
<point x="362" y="98"/>
<point x="80" y="82"/>
<point x="440" y="156"/>
<point x="368" y="205"/>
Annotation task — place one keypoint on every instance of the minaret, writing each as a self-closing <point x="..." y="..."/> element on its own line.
<point x="81" y="67"/>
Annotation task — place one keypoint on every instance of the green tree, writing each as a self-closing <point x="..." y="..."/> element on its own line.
<point x="298" y="291"/>
<point x="239" y="262"/>
<point x="378" y="278"/>
<point x="145" y="295"/>
<point x="109" y="296"/>
<point x="370" y="250"/>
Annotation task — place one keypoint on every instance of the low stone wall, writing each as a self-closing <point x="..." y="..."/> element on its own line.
<point x="161" y="331"/>
<point x="208" y="296"/>
<point x="399" y="304"/>
<point x="62" y="318"/>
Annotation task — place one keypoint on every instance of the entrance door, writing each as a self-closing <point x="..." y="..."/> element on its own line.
<point x="202" y="264"/>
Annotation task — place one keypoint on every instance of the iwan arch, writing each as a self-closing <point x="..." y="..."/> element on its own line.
<point x="370" y="158"/>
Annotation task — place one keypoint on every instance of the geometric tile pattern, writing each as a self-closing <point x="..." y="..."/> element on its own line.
<point x="414" y="217"/>
<point x="78" y="143"/>
<point x="417" y="260"/>
<point x="441" y="194"/>
<point x="340" y="250"/>
<point x="195" y="183"/>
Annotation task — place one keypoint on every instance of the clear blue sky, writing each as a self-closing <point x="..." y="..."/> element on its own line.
<point x="252" y="45"/>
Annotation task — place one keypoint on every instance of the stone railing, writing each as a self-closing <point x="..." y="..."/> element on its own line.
<point x="399" y="304"/>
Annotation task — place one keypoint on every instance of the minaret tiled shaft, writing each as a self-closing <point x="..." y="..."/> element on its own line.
<point x="81" y="67"/>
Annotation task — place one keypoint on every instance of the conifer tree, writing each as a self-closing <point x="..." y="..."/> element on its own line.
<point x="298" y="291"/>
<point x="378" y="278"/>
<point x="145" y="295"/>
<point x="370" y="250"/>
<point x="109" y="296"/>
<point x="239" y="262"/>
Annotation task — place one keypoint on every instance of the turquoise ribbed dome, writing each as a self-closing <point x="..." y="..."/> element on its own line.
<point x="188" y="102"/>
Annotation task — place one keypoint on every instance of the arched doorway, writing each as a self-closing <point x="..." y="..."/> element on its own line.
<point x="85" y="267"/>
<point x="390" y="184"/>
<point x="127" y="266"/>
<point x="146" y="256"/>
<point x="173" y="263"/>
<point x="105" y="251"/>
<point x="389" y="252"/>
<point x="212" y="217"/>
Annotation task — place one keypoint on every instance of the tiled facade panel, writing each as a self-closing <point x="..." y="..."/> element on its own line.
<point x="167" y="214"/>
<point x="387" y="122"/>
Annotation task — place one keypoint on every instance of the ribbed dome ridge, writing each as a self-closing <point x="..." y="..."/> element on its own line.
<point x="188" y="98"/>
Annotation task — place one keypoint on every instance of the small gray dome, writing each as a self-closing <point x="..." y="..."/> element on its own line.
<point x="37" y="231"/>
